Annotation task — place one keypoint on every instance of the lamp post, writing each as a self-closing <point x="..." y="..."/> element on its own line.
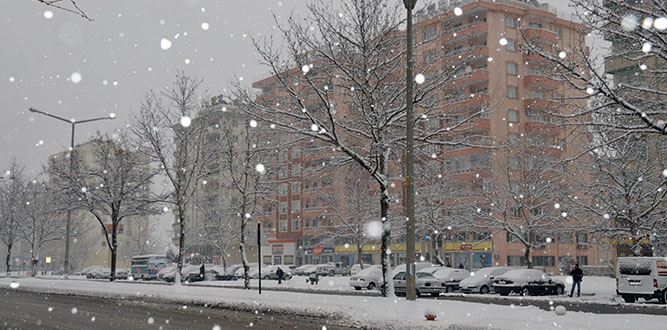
<point x="410" y="292"/>
<point x="73" y="123"/>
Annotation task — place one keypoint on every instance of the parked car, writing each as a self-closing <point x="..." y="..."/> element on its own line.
<point x="482" y="280"/>
<point x="89" y="271"/>
<point x="526" y="282"/>
<point x="425" y="283"/>
<point x="355" y="269"/>
<point x="239" y="272"/>
<point x="164" y="271"/>
<point x="642" y="277"/>
<point x="368" y="278"/>
<point x="452" y="277"/>
<point x="301" y="269"/>
<point x="269" y="272"/>
<point x="189" y="273"/>
<point x="418" y="267"/>
<point x="122" y="273"/>
<point x="229" y="274"/>
<point x="103" y="273"/>
<point x="333" y="268"/>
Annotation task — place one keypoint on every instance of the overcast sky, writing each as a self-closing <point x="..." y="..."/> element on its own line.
<point x="119" y="57"/>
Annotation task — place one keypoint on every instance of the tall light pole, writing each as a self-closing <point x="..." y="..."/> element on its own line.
<point x="410" y="290"/>
<point x="73" y="123"/>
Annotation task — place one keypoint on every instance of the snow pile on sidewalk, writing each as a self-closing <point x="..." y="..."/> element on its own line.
<point x="374" y="312"/>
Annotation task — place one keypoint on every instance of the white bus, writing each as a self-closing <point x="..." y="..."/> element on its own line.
<point x="146" y="267"/>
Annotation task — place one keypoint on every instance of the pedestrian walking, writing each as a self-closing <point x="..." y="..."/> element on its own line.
<point x="577" y="276"/>
<point x="202" y="272"/>
<point x="280" y="273"/>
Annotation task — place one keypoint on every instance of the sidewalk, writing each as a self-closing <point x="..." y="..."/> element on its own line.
<point x="371" y="312"/>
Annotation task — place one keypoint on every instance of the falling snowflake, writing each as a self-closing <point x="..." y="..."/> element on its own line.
<point x="314" y="128"/>
<point x="112" y="115"/>
<point x="74" y="310"/>
<point x="562" y="55"/>
<point x="646" y="47"/>
<point x="187" y="61"/>
<point x="373" y="229"/>
<point x="253" y="123"/>
<point x="11" y="79"/>
<point x="458" y="11"/>
<point x="216" y="327"/>
<point x="556" y="206"/>
<point x="48" y="14"/>
<point x="186" y="121"/>
<point x="660" y="23"/>
<point x="606" y="216"/>
<point x="305" y="69"/>
<point x="75" y="77"/>
<point x="204" y="26"/>
<point x="14" y="285"/>
<point x="260" y="168"/>
<point x="420" y="79"/>
<point x="629" y="22"/>
<point x="503" y="41"/>
<point x="165" y="43"/>
<point x="150" y="320"/>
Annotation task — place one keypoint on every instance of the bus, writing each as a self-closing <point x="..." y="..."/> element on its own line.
<point x="146" y="267"/>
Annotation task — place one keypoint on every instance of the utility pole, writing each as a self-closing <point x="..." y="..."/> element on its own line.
<point x="259" y="256"/>
<point x="410" y="290"/>
<point x="73" y="123"/>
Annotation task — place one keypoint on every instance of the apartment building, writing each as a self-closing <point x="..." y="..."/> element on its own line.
<point x="512" y="89"/>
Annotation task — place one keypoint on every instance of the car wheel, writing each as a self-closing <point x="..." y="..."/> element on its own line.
<point x="484" y="289"/>
<point x="332" y="273"/>
<point x="450" y="289"/>
<point x="435" y="294"/>
<point x="663" y="297"/>
<point x="371" y="286"/>
<point x="525" y="292"/>
<point x="504" y="293"/>
<point x="357" y="288"/>
<point x="629" y="299"/>
<point x="417" y="293"/>
<point x="560" y="290"/>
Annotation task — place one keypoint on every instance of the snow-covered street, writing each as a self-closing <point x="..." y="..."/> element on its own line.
<point x="370" y="312"/>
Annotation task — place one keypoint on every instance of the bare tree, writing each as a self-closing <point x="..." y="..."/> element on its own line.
<point x="40" y="225"/>
<point x="11" y="215"/>
<point x="243" y="151"/>
<point x="113" y="186"/>
<point x="69" y="6"/>
<point x="171" y="138"/>
<point x="141" y="237"/>
<point x="627" y="193"/>
<point x="219" y="230"/>
<point x="338" y="81"/>
<point x="625" y="83"/>
<point x="522" y="198"/>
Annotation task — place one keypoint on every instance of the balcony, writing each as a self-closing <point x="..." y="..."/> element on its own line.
<point x="542" y="34"/>
<point x="533" y="79"/>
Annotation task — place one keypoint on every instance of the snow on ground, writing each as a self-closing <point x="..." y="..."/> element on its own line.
<point x="327" y="283"/>
<point x="374" y="312"/>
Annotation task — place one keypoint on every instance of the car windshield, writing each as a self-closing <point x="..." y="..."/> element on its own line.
<point x="636" y="267"/>
<point x="425" y="276"/>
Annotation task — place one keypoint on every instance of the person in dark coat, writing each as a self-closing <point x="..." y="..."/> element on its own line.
<point x="280" y="273"/>
<point x="202" y="272"/>
<point x="577" y="276"/>
<point x="461" y="265"/>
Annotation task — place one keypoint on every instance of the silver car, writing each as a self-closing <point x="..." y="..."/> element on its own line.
<point x="482" y="280"/>
<point x="425" y="283"/>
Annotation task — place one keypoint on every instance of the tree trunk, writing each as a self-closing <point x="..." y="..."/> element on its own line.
<point x="244" y="257"/>
<point x="114" y="249"/>
<point x="33" y="260"/>
<point x="361" y="263"/>
<point x="181" y="244"/>
<point x="387" y="288"/>
<point x="529" y="263"/>
<point x="8" y="258"/>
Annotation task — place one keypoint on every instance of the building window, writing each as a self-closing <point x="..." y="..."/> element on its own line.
<point x="296" y="206"/>
<point x="510" y="22"/>
<point x="565" y="238"/>
<point x="282" y="190"/>
<point x="308" y="224"/>
<point x="429" y="57"/>
<point x="282" y="226"/>
<point x="512" y="92"/>
<point x="516" y="261"/>
<point x="582" y="238"/>
<point x="296" y="187"/>
<point x="296" y="154"/>
<point x="296" y="224"/>
<point x="430" y="33"/>
<point x="512" y="116"/>
<point x="544" y="261"/>
<point x="511" y="45"/>
<point x="512" y="68"/>
<point x="283" y="207"/>
<point x="296" y="170"/>
<point x="511" y="238"/>
<point x="582" y="260"/>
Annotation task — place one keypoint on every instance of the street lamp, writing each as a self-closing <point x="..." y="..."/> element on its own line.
<point x="73" y="123"/>
<point x="410" y="293"/>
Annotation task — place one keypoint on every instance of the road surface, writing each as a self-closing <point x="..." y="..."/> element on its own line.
<point x="28" y="310"/>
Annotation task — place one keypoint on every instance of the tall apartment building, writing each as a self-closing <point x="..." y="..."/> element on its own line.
<point x="212" y="231"/>
<point x="88" y="245"/>
<point x="501" y="77"/>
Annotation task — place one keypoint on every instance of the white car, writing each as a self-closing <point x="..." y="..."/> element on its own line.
<point x="642" y="277"/>
<point x="482" y="280"/>
<point x="239" y="272"/>
<point x="451" y="276"/>
<point x="355" y="269"/>
<point x="301" y="270"/>
<point x="269" y="272"/>
<point x="369" y="278"/>
<point x="527" y="282"/>
<point x="90" y="272"/>
<point x="164" y="271"/>
<point x="418" y="267"/>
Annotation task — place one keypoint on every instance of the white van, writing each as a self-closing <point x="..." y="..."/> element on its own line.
<point x="642" y="277"/>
